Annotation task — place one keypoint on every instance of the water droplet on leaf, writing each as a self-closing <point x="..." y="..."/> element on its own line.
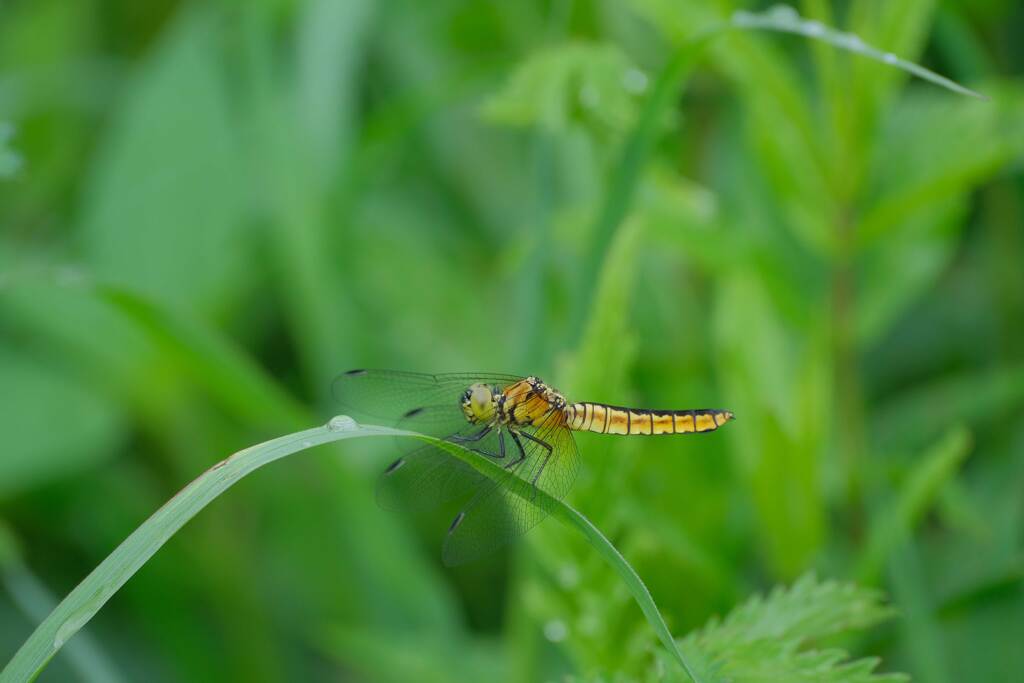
<point x="556" y="630"/>
<point x="634" y="81"/>
<point x="782" y="13"/>
<point x="342" y="423"/>
<point x="813" y="28"/>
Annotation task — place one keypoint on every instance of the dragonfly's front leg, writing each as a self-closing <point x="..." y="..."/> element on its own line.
<point x="479" y="436"/>
<point x="500" y="455"/>
<point x="471" y="439"/>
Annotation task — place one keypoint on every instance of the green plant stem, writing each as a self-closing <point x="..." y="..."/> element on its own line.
<point x="78" y="608"/>
<point x="850" y="422"/>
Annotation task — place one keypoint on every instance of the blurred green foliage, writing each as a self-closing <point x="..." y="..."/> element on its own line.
<point x="209" y="209"/>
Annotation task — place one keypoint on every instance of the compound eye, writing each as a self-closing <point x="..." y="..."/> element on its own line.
<point x="480" y="395"/>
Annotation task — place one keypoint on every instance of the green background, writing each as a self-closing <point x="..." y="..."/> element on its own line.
<point x="208" y="210"/>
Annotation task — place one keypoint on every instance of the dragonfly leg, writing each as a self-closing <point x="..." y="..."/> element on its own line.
<point x="519" y="446"/>
<point x="470" y="439"/>
<point x="543" y="444"/>
<point x="500" y="455"/>
<point x="540" y="470"/>
<point x="544" y="463"/>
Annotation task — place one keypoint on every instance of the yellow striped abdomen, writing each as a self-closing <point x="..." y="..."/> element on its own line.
<point x="605" y="419"/>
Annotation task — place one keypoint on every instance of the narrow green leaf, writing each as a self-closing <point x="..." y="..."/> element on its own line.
<point x="228" y="373"/>
<point x="78" y="608"/>
<point x="34" y="453"/>
<point x="625" y="178"/>
<point x="921" y="630"/>
<point x="895" y="522"/>
<point x="427" y="656"/>
<point x="981" y="399"/>
<point x="785" y="19"/>
<point x="34" y="600"/>
<point x="10" y="161"/>
<point x="167" y="194"/>
<point x="331" y="47"/>
<point x="287" y="187"/>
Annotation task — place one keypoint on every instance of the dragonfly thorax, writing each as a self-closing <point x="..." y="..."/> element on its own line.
<point x="526" y="402"/>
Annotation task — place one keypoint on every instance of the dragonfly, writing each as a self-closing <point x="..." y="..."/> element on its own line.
<point x="521" y="424"/>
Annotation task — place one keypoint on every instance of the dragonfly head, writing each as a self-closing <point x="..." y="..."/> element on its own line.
<point x="478" y="403"/>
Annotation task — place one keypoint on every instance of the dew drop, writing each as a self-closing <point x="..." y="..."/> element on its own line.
<point x="568" y="576"/>
<point x="743" y="17"/>
<point x="783" y="14"/>
<point x="72" y="625"/>
<point x="70" y="276"/>
<point x="307" y="443"/>
<point x="556" y="630"/>
<point x="890" y="58"/>
<point x="813" y="28"/>
<point x="589" y="96"/>
<point x="634" y="81"/>
<point x="851" y="41"/>
<point x="590" y="623"/>
<point x="342" y="423"/>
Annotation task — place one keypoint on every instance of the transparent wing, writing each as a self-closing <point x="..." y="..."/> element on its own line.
<point x="428" y="476"/>
<point x="543" y="458"/>
<point x="391" y="396"/>
<point x="423" y="476"/>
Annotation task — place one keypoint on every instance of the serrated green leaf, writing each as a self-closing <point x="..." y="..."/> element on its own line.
<point x="761" y="640"/>
<point x="806" y="610"/>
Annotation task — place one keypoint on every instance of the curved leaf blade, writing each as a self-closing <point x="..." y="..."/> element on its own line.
<point x="79" y="607"/>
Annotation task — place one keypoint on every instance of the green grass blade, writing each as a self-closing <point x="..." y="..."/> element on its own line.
<point x="10" y="162"/>
<point x="625" y="177"/>
<point x="573" y="518"/>
<point x="211" y="359"/>
<point x="785" y="19"/>
<point x="79" y="607"/>
<point x="33" y="599"/>
<point x="897" y="520"/>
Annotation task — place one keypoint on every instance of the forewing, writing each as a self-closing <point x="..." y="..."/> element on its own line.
<point x="389" y="396"/>
<point x="496" y="515"/>
<point x="423" y="476"/>
<point x="427" y="476"/>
